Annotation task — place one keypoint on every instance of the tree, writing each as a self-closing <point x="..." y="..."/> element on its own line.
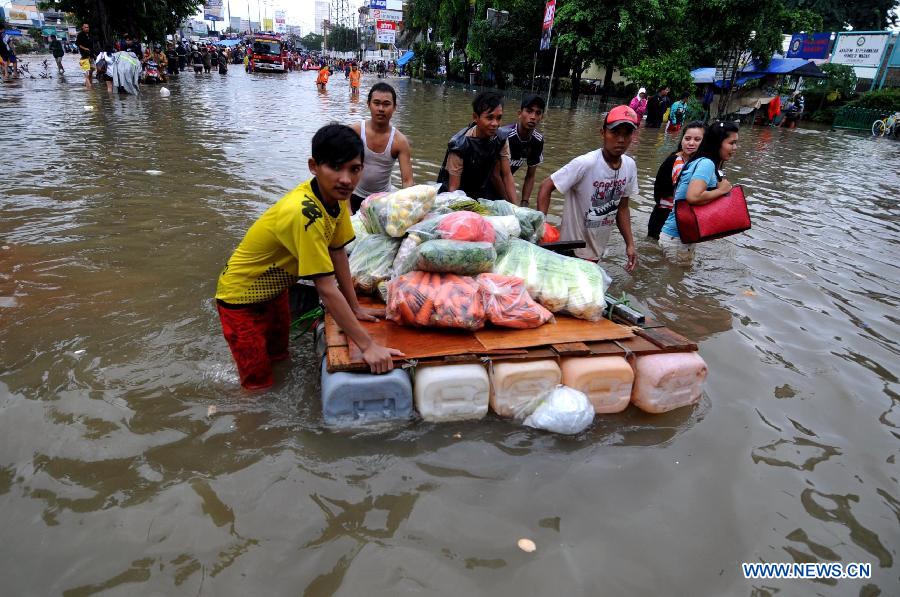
<point x="312" y="41"/>
<point x="342" y="39"/>
<point x="672" y="69"/>
<point x="612" y="34"/>
<point x="109" y="18"/>
<point x="510" y="48"/>
<point x="837" y="15"/>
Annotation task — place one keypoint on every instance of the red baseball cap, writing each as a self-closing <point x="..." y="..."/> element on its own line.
<point x="622" y="115"/>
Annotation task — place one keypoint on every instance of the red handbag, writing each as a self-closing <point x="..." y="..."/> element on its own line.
<point x="725" y="216"/>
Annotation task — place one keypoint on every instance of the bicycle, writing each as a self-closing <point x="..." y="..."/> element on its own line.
<point x="886" y="126"/>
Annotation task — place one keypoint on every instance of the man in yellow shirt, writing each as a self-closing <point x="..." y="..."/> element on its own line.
<point x="303" y="235"/>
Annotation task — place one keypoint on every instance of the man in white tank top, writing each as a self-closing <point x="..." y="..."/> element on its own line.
<point x="383" y="144"/>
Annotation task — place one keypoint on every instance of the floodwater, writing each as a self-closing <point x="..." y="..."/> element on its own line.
<point x="132" y="463"/>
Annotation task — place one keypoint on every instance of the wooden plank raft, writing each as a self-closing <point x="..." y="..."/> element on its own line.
<point x="567" y="337"/>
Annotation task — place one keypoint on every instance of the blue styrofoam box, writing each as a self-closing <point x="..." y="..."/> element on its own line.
<point x="364" y="397"/>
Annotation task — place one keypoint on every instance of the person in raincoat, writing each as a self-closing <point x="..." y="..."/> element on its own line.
<point x="125" y="70"/>
<point x="639" y="103"/>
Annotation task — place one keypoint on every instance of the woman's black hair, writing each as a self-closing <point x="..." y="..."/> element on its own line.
<point x="713" y="137"/>
<point x="486" y="101"/>
<point x="384" y="88"/>
<point x="336" y="144"/>
<point x="694" y="124"/>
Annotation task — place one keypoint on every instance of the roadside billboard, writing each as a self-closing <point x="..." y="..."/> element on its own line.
<point x="212" y="10"/>
<point x="811" y="46"/>
<point x="387" y="15"/>
<point x="280" y="22"/>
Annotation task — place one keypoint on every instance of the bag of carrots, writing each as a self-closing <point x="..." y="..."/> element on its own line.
<point x="507" y="303"/>
<point x="426" y="299"/>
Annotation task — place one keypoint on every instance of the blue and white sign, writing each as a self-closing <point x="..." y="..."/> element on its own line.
<point x="813" y="46"/>
<point x="382" y="4"/>
<point x="212" y="10"/>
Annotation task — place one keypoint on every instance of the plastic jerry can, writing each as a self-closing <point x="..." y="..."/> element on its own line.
<point x="606" y="381"/>
<point x="363" y="397"/>
<point x="664" y="382"/>
<point x="518" y="386"/>
<point x="452" y="392"/>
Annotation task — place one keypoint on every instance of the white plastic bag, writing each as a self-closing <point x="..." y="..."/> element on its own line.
<point x="562" y="410"/>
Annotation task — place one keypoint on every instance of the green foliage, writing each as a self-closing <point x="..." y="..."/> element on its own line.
<point x="886" y="100"/>
<point x="672" y="69"/>
<point x="837" y="15"/>
<point x="840" y="84"/>
<point x="342" y="39"/>
<point x="111" y="18"/>
<point x="510" y="48"/>
<point x="312" y="41"/>
<point x="456" y="69"/>
<point x="427" y="59"/>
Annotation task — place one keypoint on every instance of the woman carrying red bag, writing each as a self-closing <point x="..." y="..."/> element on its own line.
<point x="701" y="182"/>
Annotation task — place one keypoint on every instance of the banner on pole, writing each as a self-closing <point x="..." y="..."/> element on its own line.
<point x="547" y="31"/>
<point x="212" y="10"/>
<point x="813" y="46"/>
<point x="387" y="15"/>
<point x="280" y="22"/>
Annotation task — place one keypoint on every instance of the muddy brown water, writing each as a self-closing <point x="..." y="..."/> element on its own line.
<point x="118" y="476"/>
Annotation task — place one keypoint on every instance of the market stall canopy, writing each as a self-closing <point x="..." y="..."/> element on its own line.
<point x="405" y="58"/>
<point x="228" y="42"/>
<point x="13" y="33"/>
<point x="707" y="75"/>
<point x="797" y="67"/>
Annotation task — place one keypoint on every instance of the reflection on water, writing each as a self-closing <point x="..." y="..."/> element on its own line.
<point x="115" y="475"/>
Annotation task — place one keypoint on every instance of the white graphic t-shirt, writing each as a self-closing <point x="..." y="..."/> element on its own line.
<point x="593" y="191"/>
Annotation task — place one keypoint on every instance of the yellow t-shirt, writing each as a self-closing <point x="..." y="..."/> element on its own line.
<point x="288" y="242"/>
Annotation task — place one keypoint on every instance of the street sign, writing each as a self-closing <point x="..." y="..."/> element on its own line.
<point x="547" y="29"/>
<point x="387" y="15"/>
<point x="860" y="50"/>
<point x="386" y="32"/>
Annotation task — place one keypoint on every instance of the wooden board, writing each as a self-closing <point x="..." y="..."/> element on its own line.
<point x="572" y="349"/>
<point x="667" y="339"/>
<point x="565" y="330"/>
<point x="417" y="343"/>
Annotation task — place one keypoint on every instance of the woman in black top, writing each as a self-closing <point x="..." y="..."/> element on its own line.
<point x="667" y="176"/>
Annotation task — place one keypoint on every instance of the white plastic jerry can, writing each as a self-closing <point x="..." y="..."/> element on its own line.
<point x="451" y="392"/>
<point x="664" y="382"/>
<point x="349" y="398"/>
<point x="517" y="386"/>
<point x="606" y="381"/>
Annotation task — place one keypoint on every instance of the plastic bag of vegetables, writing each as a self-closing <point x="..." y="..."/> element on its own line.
<point x="372" y="260"/>
<point x="458" y="225"/>
<point x="359" y="229"/>
<point x="395" y="212"/>
<point x="455" y="256"/>
<point x="531" y="221"/>
<point x="561" y="284"/>
<point x="508" y="304"/>
<point x="406" y="258"/>
<point x="426" y="299"/>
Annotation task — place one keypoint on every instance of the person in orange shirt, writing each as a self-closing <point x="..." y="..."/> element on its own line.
<point x="322" y="79"/>
<point x="355" y="75"/>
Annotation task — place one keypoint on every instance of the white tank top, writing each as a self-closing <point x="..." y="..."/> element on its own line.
<point x="377" y="167"/>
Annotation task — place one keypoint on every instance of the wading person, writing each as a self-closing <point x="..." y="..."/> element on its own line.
<point x="526" y="144"/>
<point x="478" y="157"/>
<point x="597" y="187"/>
<point x="85" y="49"/>
<point x="656" y="108"/>
<point x="383" y="144"/>
<point x="56" y="48"/>
<point x="322" y="77"/>
<point x="677" y="113"/>
<point x="701" y="182"/>
<point x="302" y="236"/>
<point x="639" y="103"/>
<point x="354" y="77"/>
<point x="667" y="176"/>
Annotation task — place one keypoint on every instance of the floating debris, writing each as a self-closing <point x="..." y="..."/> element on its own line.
<point x="153" y="172"/>
<point x="527" y="545"/>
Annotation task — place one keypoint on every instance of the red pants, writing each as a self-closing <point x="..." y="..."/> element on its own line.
<point x="257" y="334"/>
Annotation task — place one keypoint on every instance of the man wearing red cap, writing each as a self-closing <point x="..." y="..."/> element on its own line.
<point x="596" y="187"/>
